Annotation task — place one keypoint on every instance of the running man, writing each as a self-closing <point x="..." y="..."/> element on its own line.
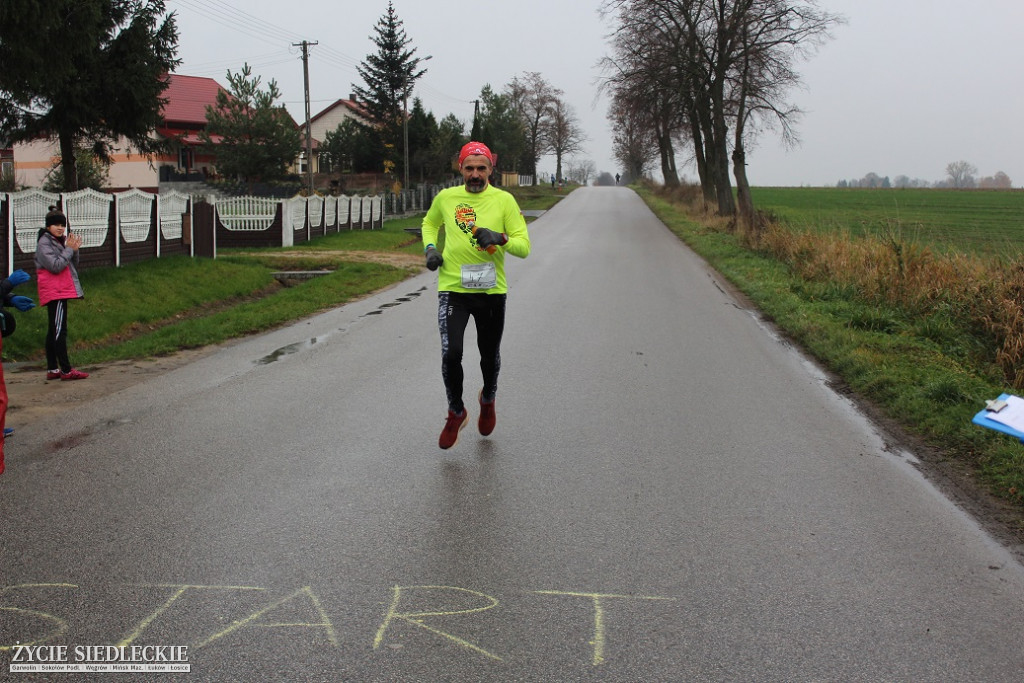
<point x="481" y="224"/>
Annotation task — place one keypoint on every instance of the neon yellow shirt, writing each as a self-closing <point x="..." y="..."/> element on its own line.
<point x="455" y="208"/>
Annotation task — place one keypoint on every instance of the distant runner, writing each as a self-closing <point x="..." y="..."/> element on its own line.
<point x="481" y="223"/>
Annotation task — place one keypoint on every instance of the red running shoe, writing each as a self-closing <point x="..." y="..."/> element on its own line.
<point x="72" y="374"/>
<point x="52" y="374"/>
<point x="487" y="416"/>
<point x="452" y="426"/>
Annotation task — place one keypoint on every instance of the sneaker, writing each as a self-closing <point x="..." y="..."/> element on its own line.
<point x="8" y="431"/>
<point x="452" y="426"/>
<point x="73" y="374"/>
<point x="52" y="374"/>
<point x="487" y="416"/>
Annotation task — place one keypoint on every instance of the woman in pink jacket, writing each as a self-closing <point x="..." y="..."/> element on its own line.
<point x="57" y="276"/>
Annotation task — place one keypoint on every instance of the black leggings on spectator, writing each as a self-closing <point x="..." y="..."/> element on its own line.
<point x="57" y="336"/>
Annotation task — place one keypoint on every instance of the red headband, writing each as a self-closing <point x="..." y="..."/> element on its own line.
<point x="471" y="148"/>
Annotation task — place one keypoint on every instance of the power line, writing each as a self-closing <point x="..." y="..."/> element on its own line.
<point x="233" y="18"/>
<point x="241" y="21"/>
<point x="231" y="65"/>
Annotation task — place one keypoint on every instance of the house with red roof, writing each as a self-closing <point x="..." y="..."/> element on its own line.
<point x="184" y="116"/>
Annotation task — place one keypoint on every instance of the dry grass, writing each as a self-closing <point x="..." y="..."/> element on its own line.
<point x="981" y="296"/>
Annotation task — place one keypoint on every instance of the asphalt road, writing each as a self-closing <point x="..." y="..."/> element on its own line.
<point x="672" y="493"/>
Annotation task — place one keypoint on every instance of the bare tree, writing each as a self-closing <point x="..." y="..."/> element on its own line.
<point x="532" y="97"/>
<point x="581" y="171"/>
<point x="565" y="134"/>
<point x="727" y="65"/>
<point x="633" y="142"/>
<point x="961" y="174"/>
<point x="1000" y="181"/>
<point x="644" y="84"/>
<point x="772" y="35"/>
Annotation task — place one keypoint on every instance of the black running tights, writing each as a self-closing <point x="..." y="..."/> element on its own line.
<point x="453" y="312"/>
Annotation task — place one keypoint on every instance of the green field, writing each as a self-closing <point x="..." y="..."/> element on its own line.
<point x="975" y="221"/>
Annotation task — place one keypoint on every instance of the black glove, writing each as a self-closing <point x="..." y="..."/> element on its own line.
<point x="434" y="259"/>
<point x="488" y="238"/>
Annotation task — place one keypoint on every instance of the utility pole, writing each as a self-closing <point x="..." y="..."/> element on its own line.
<point x="474" y="133"/>
<point x="309" y="134"/>
<point x="405" y="131"/>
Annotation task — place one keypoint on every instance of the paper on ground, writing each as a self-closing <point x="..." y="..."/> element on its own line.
<point x="1012" y="415"/>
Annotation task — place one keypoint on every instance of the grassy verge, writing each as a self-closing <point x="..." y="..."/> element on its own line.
<point x="922" y="368"/>
<point x="161" y="306"/>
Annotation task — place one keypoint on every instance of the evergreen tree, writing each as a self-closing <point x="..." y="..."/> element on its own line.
<point x="389" y="75"/>
<point x="86" y="72"/>
<point x="422" y="129"/>
<point x="256" y="140"/>
<point x="351" y="148"/>
<point x="91" y="171"/>
<point x="445" y="146"/>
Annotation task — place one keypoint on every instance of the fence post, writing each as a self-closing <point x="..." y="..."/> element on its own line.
<point x="117" y="230"/>
<point x="154" y="222"/>
<point x="8" y="214"/>
<point x="204" y="232"/>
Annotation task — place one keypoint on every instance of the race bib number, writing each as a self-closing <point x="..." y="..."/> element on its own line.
<point x="479" y="275"/>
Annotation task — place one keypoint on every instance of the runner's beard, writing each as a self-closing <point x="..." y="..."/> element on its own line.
<point x="476" y="185"/>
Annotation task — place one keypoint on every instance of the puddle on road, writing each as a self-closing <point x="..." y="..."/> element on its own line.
<point x="310" y="343"/>
<point x="391" y="304"/>
<point x="287" y="350"/>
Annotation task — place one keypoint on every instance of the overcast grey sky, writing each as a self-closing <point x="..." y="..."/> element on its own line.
<point x="904" y="88"/>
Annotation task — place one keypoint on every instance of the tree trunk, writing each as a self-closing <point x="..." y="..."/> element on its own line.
<point x="720" y="169"/>
<point x="699" y="153"/>
<point x="68" y="164"/>
<point x="704" y="131"/>
<point x="668" y="160"/>
<point x="744" y="200"/>
<point x="668" y="166"/>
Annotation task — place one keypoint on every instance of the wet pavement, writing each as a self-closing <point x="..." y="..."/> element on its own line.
<point x="671" y="493"/>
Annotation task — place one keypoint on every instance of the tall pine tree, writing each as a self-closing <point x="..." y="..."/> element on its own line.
<point x="389" y="76"/>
